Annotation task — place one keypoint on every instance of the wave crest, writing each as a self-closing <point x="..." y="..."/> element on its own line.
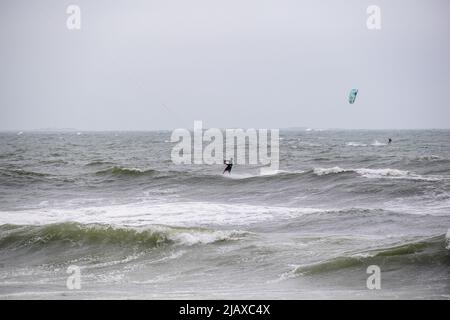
<point x="120" y="171"/>
<point x="80" y="235"/>
<point x="355" y="144"/>
<point x="376" y="173"/>
<point x="76" y="234"/>
<point x="376" y="143"/>
<point x="427" y="251"/>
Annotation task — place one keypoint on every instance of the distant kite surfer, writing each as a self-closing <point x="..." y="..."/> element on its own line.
<point x="229" y="165"/>
<point x="390" y="141"/>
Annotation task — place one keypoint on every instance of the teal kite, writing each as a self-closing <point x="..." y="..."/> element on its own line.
<point x="352" y="95"/>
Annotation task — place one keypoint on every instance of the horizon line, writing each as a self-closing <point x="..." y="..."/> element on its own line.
<point x="71" y="130"/>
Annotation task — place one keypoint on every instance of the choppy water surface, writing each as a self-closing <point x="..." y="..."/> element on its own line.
<point x="140" y="226"/>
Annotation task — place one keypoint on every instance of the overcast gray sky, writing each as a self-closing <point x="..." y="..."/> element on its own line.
<point x="156" y="64"/>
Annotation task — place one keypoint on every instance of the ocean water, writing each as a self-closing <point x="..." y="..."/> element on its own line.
<point x="139" y="226"/>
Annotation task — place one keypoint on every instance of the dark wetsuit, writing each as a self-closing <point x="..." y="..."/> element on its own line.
<point x="228" y="167"/>
<point x="390" y="140"/>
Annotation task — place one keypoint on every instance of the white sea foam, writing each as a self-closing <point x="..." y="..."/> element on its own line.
<point x="325" y="171"/>
<point x="395" y="174"/>
<point x="239" y="176"/>
<point x="158" y="279"/>
<point x="429" y="158"/>
<point x="171" y="256"/>
<point x="377" y="173"/>
<point x="184" y="214"/>
<point x="356" y="144"/>
<point x="204" y="237"/>
<point x="262" y="172"/>
<point x="376" y="143"/>
<point x="380" y="173"/>
<point x="125" y="260"/>
<point x="315" y="129"/>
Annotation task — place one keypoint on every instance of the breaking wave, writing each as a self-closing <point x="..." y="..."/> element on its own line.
<point x="428" y="251"/>
<point x="356" y="144"/>
<point x="74" y="234"/>
<point x="376" y="143"/>
<point x="119" y="171"/>
<point x="375" y="173"/>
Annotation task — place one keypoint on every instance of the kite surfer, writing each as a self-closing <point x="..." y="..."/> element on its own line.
<point x="229" y="165"/>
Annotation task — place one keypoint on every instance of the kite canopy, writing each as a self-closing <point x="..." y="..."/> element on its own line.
<point x="352" y="95"/>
